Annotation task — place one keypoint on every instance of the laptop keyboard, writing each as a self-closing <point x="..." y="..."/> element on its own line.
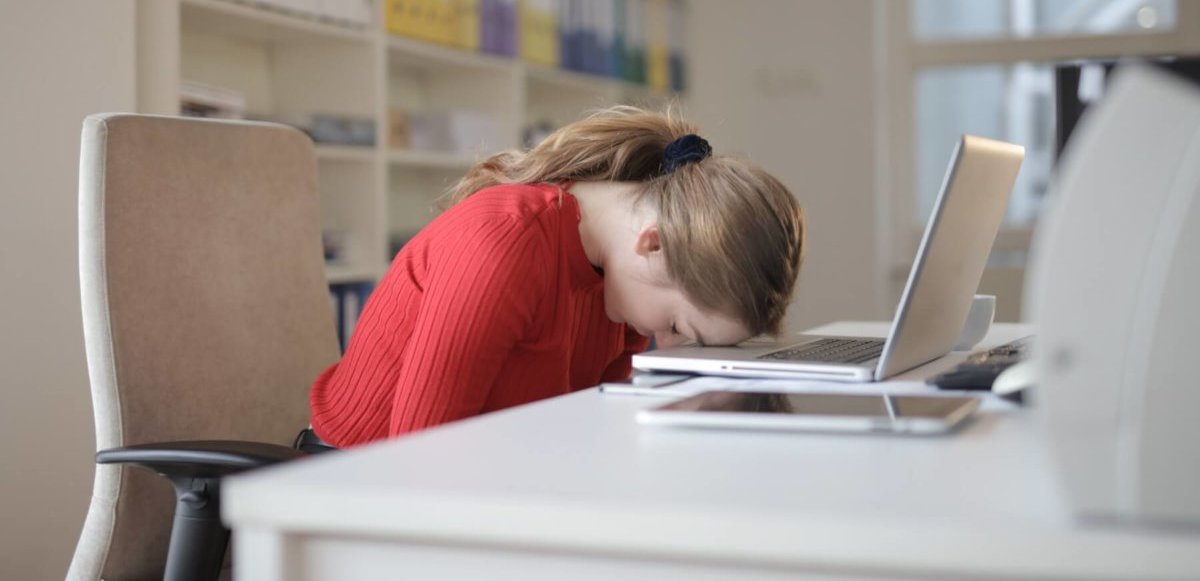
<point x="831" y="350"/>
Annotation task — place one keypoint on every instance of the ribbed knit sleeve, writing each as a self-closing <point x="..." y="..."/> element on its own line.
<point x="481" y="295"/>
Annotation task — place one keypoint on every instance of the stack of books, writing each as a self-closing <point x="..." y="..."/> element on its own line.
<point x="450" y="22"/>
<point x="640" y="41"/>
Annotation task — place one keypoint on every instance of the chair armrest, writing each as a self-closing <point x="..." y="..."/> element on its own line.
<point x="195" y="469"/>
<point x="199" y="459"/>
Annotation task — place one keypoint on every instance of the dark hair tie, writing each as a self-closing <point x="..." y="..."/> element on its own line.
<point x="690" y="148"/>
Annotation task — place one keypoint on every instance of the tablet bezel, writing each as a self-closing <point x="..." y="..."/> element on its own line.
<point x="669" y="415"/>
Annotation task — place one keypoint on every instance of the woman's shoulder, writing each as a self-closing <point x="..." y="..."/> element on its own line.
<point x="499" y="216"/>
<point x="524" y="202"/>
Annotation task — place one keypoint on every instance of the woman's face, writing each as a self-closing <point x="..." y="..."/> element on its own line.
<point x="664" y="313"/>
<point x="638" y="292"/>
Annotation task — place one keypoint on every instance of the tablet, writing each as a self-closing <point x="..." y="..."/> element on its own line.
<point x="815" y="411"/>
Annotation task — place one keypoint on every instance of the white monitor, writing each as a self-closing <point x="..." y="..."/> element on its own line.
<point x="1114" y="294"/>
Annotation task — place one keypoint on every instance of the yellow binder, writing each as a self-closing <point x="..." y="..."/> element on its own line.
<point x="658" y="68"/>
<point x="539" y="32"/>
<point x="466" y="24"/>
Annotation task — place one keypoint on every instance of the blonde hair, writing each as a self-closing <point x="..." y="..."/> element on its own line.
<point x="732" y="235"/>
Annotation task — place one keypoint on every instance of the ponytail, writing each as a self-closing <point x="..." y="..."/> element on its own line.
<point x="622" y="143"/>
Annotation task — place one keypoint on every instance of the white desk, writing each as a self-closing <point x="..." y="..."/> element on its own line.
<point x="573" y="488"/>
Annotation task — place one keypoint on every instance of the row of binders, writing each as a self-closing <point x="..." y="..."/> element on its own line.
<point x="640" y="41"/>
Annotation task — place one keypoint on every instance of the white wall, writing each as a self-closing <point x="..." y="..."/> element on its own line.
<point x="59" y="61"/>
<point x="790" y="85"/>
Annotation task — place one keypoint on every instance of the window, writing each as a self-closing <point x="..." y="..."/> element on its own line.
<point x="983" y="19"/>
<point x="1008" y="102"/>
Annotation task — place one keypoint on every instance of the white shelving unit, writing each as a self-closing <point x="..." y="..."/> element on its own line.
<point x="291" y="66"/>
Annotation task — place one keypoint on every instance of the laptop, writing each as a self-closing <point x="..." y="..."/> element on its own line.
<point x="932" y="310"/>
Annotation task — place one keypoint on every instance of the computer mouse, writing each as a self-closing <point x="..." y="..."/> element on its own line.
<point x="1014" y="379"/>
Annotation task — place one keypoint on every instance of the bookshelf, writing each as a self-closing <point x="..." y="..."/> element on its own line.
<point x="290" y="66"/>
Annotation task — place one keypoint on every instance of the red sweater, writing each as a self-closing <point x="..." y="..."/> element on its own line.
<point x="492" y="305"/>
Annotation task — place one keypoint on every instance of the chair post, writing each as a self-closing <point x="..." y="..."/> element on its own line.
<point x="198" y="538"/>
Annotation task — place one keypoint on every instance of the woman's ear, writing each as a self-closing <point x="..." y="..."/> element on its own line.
<point x="647" y="241"/>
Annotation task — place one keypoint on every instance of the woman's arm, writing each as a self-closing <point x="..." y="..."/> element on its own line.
<point x="480" y="298"/>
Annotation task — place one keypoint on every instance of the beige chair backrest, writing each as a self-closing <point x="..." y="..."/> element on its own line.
<point x="205" y="307"/>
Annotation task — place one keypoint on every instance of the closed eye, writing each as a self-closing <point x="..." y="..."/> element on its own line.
<point x="687" y="340"/>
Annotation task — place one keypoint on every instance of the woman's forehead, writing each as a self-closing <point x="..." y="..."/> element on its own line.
<point x="711" y="328"/>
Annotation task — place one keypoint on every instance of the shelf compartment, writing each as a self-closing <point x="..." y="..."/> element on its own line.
<point x="421" y="54"/>
<point x="234" y="20"/>
<point x="558" y="96"/>
<point x="344" y="153"/>
<point x="573" y="80"/>
<point x="431" y="160"/>
<point x="341" y="273"/>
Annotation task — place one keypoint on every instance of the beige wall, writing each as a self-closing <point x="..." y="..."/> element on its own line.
<point x="790" y="85"/>
<point x="59" y="61"/>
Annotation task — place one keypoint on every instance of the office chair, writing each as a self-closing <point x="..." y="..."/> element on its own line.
<point x="206" y="318"/>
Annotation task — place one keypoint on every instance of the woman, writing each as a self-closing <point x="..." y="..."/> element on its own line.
<point x="551" y="267"/>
